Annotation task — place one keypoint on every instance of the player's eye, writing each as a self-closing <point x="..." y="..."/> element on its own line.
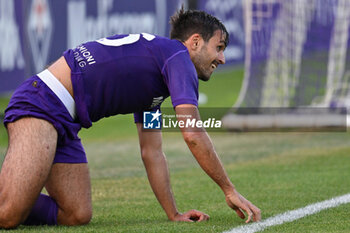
<point x="220" y="47"/>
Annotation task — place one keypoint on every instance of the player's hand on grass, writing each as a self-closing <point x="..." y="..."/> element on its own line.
<point x="191" y="216"/>
<point x="238" y="203"/>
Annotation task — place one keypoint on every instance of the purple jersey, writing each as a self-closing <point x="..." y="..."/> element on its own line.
<point x="130" y="73"/>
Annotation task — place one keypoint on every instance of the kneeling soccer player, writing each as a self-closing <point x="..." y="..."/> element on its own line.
<point x="115" y="75"/>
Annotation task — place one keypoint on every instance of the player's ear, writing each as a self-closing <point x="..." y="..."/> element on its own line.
<point x="194" y="42"/>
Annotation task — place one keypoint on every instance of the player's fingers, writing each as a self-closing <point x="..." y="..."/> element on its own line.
<point x="239" y="213"/>
<point x="196" y="216"/>
<point x="256" y="211"/>
<point x="246" y="209"/>
<point x="185" y="219"/>
<point x="256" y="214"/>
<point x="203" y="217"/>
<point x="236" y="207"/>
<point x="250" y="214"/>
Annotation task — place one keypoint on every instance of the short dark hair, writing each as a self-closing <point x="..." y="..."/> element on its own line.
<point x="188" y="22"/>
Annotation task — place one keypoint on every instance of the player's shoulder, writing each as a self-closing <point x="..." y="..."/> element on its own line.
<point x="167" y="42"/>
<point x="169" y="46"/>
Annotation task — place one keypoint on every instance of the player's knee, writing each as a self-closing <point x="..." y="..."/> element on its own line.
<point x="80" y="217"/>
<point x="9" y="219"/>
<point x="12" y="213"/>
<point x="151" y="155"/>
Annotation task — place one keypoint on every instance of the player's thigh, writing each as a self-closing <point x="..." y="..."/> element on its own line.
<point x="69" y="184"/>
<point x="27" y="164"/>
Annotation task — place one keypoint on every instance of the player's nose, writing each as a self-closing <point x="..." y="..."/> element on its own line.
<point x="221" y="57"/>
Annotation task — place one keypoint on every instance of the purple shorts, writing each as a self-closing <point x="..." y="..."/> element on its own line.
<point x="35" y="99"/>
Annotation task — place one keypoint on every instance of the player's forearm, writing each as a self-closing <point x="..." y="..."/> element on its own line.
<point x="203" y="150"/>
<point x="158" y="176"/>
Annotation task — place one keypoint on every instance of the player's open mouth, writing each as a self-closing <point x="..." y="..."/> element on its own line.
<point x="213" y="66"/>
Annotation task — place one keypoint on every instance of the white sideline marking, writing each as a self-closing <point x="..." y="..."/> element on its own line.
<point x="292" y="215"/>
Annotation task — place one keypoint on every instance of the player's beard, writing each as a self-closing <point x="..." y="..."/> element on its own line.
<point x="203" y="66"/>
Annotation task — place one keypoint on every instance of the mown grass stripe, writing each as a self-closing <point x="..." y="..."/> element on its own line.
<point x="292" y="215"/>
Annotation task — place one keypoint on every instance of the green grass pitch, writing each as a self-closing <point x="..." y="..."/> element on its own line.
<point x="276" y="171"/>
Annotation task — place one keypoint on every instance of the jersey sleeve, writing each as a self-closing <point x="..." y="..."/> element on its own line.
<point x="181" y="78"/>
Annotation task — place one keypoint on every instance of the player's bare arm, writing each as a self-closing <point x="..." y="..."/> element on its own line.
<point x="158" y="176"/>
<point x="203" y="150"/>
